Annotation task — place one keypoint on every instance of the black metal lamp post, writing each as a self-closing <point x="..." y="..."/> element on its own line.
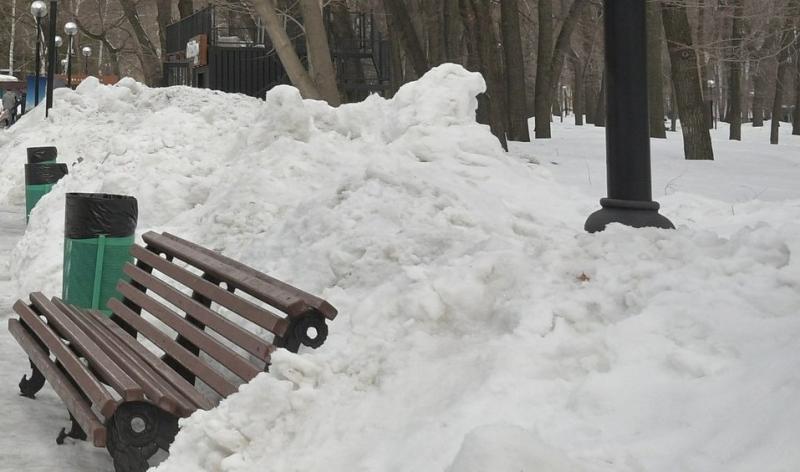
<point x="627" y="130"/>
<point x="53" y="42"/>
<point x="71" y="29"/>
<point x="38" y="10"/>
<point x="87" y="52"/>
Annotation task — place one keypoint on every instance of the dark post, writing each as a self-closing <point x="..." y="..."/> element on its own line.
<point x="38" y="60"/>
<point x="51" y="56"/>
<point x="69" y="61"/>
<point x="627" y="127"/>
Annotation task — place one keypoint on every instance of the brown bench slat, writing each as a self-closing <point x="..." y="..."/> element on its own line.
<point x="223" y="354"/>
<point x="195" y="364"/>
<point x="79" y="339"/>
<point x="166" y="372"/>
<point x="75" y="403"/>
<point x="247" y="310"/>
<point x="157" y="390"/>
<point x="231" y="331"/>
<point x="291" y="300"/>
<point x="98" y="395"/>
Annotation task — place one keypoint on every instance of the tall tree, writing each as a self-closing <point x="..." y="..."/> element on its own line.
<point x="543" y="89"/>
<point x="735" y="81"/>
<point x="453" y="31"/>
<point x="185" y="8"/>
<point x="403" y="27"/>
<point x="300" y="77"/>
<point x="796" y="117"/>
<point x="784" y="67"/>
<point x="686" y="78"/>
<point x="319" y="52"/>
<point x="562" y="46"/>
<point x="515" y="71"/>
<point x="148" y="55"/>
<point x="655" y="73"/>
<point x="163" y="18"/>
<point x="482" y="46"/>
<point x="13" y="35"/>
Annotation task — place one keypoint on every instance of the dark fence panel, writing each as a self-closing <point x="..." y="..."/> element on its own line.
<point x="178" y="34"/>
<point x="177" y="73"/>
<point x="251" y="71"/>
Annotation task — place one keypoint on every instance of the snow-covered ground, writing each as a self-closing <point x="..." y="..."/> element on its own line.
<point x="480" y="328"/>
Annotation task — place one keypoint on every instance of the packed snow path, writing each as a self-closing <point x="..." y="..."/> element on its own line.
<point x="30" y="427"/>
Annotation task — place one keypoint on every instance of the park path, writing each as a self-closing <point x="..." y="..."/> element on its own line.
<point x="28" y="428"/>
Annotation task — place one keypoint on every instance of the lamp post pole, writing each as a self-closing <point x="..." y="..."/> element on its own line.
<point x="51" y="56"/>
<point x="71" y="29"/>
<point x="38" y="10"/>
<point x="628" y="176"/>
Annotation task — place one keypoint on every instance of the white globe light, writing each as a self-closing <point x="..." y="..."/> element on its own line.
<point x="71" y="29"/>
<point x="59" y="41"/>
<point x="38" y="9"/>
<point x="86" y="51"/>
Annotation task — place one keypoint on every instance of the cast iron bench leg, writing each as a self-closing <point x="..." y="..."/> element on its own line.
<point x="30" y="386"/>
<point x="136" y="432"/>
<point x="75" y="432"/>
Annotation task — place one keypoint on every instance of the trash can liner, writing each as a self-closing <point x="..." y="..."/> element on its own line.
<point x="90" y="215"/>
<point x="41" y="174"/>
<point x="40" y="154"/>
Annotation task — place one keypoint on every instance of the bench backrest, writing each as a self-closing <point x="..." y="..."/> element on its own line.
<point x="185" y="286"/>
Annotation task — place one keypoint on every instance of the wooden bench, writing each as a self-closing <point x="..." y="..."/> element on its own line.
<point x="207" y="325"/>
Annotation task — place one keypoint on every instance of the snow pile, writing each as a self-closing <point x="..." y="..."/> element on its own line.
<point x="480" y="329"/>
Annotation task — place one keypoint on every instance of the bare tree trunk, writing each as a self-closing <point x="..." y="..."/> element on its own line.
<point x="13" y="37"/>
<point x="396" y="71"/>
<point x="433" y="19"/>
<point x="759" y="92"/>
<point x="600" y="108"/>
<point x="515" y="72"/>
<point x="784" y="67"/>
<point x="577" y="100"/>
<point x="544" y="58"/>
<point x="483" y="47"/>
<point x="151" y="62"/>
<point x="796" y="117"/>
<point x="164" y="18"/>
<point x="186" y="8"/>
<point x="319" y="53"/>
<point x="344" y="37"/>
<point x="283" y="46"/>
<point x="562" y="45"/>
<point x="686" y="78"/>
<point x="404" y="29"/>
<point x="735" y="85"/>
<point x="655" y="73"/>
<point x="453" y="31"/>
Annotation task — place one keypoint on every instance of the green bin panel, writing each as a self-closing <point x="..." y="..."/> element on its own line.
<point x="92" y="268"/>
<point x="34" y="193"/>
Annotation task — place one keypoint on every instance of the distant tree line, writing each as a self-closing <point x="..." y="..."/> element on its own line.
<point x="737" y="60"/>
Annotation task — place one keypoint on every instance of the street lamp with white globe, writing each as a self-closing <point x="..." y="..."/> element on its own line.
<point x="39" y="11"/>
<point x="87" y="53"/>
<point x="54" y="42"/>
<point x="71" y="29"/>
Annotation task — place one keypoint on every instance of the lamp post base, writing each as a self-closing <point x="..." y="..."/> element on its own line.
<point x="638" y="214"/>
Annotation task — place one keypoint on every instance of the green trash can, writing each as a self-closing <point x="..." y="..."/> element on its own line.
<point x="42" y="155"/>
<point x="39" y="180"/>
<point x="99" y="231"/>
